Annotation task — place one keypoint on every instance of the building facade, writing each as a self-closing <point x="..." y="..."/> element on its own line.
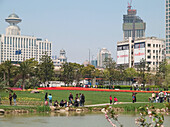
<point x="102" y="56"/>
<point x="17" y="48"/>
<point x="167" y="31"/>
<point x="133" y="26"/>
<point x="61" y="59"/>
<point x="151" y="49"/>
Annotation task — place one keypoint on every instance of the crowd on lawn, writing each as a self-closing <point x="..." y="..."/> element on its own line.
<point x="159" y="97"/>
<point x="78" y="101"/>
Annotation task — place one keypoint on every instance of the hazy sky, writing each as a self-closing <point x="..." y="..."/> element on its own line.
<point x="80" y="25"/>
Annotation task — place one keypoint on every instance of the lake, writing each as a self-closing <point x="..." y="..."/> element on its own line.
<point x="67" y="120"/>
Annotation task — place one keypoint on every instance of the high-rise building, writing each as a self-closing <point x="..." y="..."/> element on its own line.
<point x="130" y="53"/>
<point x="102" y="56"/>
<point x="94" y="63"/>
<point x="133" y="26"/>
<point x="17" y="48"/>
<point x="167" y="29"/>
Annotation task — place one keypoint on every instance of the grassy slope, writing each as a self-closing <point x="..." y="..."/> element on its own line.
<point x="92" y="97"/>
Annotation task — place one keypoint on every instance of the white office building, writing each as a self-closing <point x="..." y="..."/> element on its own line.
<point x="17" y="48"/>
<point x="102" y="56"/>
<point x="151" y="49"/>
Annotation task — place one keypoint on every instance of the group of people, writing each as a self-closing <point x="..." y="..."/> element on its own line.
<point x="14" y="96"/>
<point x="159" y="97"/>
<point x="78" y="101"/>
<point x="114" y="100"/>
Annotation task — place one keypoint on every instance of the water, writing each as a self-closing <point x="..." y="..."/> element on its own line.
<point x="66" y="120"/>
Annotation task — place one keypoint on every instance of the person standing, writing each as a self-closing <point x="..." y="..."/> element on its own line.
<point x="133" y="97"/>
<point x="110" y="99"/>
<point x="80" y="99"/>
<point x="10" y="98"/>
<point x="83" y="99"/>
<point x="50" y="99"/>
<point x="15" y="99"/>
<point x="46" y="97"/>
<point x="70" y="97"/>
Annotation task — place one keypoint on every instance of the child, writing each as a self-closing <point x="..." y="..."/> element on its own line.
<point x="110" y="99"/>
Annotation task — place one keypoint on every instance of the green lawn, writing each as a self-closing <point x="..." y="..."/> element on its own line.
<point x="91" y="97"/>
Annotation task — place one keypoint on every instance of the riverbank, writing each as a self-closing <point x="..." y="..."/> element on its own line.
<point x="130" y="107"/>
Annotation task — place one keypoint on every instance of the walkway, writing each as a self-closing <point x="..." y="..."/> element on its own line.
<point x="97" y="105"/>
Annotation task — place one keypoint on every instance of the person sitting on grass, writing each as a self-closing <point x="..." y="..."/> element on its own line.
<point x="70" y="104"/>
<point x="61" y="103"/>
<point x="75" y="103"/>
<point x="65" y="103"/>
<point x="115" y="100"/>
<point x="56" y="103"/>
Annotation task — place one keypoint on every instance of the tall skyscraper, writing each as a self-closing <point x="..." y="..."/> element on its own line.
<point x="102" y="56"/>
<point x="17" y="48"/>
<point x="167" y="29"/>
<point x="133" y="26"/>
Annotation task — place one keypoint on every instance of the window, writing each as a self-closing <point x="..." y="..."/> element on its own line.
<point x="153" y="45"/>
<point x="4" y="40"/>
<point x="149" y="51"/>
<point x="149" y="45"/>
<point x="148" y="57"/>
<point x="153" y="57"/>
<point x="153" y="51"/>
<point x="156" y="45"/>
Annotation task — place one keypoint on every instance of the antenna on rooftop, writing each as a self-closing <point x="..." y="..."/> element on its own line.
<point x="130" y="4"/>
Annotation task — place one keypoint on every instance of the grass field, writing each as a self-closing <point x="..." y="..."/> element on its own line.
<point x="91" y="97"/>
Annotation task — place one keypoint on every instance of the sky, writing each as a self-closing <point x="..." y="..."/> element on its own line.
<point x="80" y="26"/>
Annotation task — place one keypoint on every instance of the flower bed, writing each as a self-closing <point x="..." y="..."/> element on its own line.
<point x="93" y="89"/>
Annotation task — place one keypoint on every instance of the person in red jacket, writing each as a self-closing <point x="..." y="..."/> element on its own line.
<point x="115" y="100"/>
<point x="110" y="99"/>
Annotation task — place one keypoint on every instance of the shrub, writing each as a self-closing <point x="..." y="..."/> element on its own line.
<point x="43" y="108"/>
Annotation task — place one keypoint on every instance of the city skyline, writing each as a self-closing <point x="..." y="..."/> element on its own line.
<point x="78" y="26"/>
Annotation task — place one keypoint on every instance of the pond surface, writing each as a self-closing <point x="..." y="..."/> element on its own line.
<point x="66" y="120"/>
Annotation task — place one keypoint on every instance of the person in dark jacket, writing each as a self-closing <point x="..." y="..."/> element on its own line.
<point x="15" y="98"/>
<point x="10" y="98"/>
<point x="82" y="99"/>
<point x="61" y="103"/>
<point x="46" y="96"/>
<point x="70" y="97"/>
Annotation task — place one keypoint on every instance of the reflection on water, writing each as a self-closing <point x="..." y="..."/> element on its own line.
<point x="66" y="120"/>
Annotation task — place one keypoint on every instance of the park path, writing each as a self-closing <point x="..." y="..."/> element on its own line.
<point x="96" y="105"/>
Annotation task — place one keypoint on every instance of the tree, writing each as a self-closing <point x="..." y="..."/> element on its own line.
<point x="77" y="68"/>
<point x="67" y="73"/>
<point x="167" y="76"/>
<point x="89" y="72"/>
<point x="46" y="69"/>
<point x="109" y="63"/>
<point x="7" y="68"/>
<point x="26" y="68"/>
<point x="130" y="73"/>
<point x="143" y="67"/>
